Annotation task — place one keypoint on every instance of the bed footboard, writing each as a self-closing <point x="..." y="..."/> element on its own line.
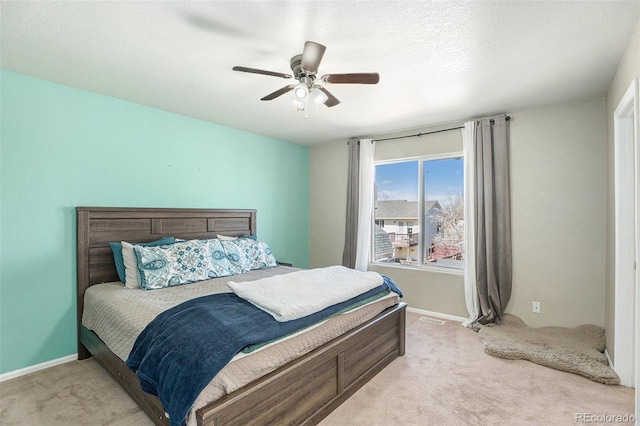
<point x="303" y="391"/>
<point x="309" y="388"/>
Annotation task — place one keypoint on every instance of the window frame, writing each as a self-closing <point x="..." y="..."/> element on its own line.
<point x="421" y="243"/>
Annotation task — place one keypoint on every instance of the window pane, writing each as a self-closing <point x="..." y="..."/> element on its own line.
<point x="396" y="206"/>
<point x="444" y="212"/>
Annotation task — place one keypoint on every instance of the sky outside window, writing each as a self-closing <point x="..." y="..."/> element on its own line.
<point x="399" y="181"/>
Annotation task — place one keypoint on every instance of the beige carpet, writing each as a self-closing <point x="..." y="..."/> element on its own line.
<point x="576" y="350"/>
<point x="445" y="378"/>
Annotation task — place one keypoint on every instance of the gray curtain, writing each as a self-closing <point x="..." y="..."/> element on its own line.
<point x="493" y="218"/>
<point x="351" y="226"/>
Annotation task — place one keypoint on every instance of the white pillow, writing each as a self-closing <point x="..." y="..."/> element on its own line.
<point x="226" y="238"/>
<point x="130" y="266"/>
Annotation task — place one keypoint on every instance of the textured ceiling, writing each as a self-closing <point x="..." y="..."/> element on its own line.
<point x="439" y="61"/>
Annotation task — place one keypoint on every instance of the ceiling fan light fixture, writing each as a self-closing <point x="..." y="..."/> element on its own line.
<point x="300" y="92"/>
<point x="318" y="96"/>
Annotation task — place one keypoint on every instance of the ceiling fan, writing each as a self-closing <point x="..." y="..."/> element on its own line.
<point x="305" y="69"/>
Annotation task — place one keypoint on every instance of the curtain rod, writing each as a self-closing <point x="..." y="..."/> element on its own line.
<point x="507" y="118"/>
<point x="419" y="134"/>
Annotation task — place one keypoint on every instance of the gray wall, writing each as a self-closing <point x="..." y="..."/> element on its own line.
<point x="557" y="190"/>
<point x="558" y="175"/>
<point x="628" y="69"/>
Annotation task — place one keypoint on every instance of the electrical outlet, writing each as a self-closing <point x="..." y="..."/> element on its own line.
<point x="536" y="307"/>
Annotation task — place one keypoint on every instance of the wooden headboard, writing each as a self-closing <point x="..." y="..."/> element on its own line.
<point x="97" y="226"/>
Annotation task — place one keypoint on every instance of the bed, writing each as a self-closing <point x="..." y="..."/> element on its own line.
<point x="302" y="391"/>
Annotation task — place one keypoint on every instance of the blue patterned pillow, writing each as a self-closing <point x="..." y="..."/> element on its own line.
<point x="265" y="258"/>
<point x="237" y="260"/>
<point x="246" y="254"/>
<point x="172" y="265"/>
<point x="219" y="262"/>
<point x="116" y="248"/>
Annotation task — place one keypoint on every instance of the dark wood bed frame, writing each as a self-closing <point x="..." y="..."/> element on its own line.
<point x="304" y="391"/>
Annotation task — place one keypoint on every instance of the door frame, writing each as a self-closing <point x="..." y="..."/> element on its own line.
<point x="627" y="297"/>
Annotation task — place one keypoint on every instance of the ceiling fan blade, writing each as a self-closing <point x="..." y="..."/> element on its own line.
<point x="312" y="55"/>
<point x="358" y="78"/>
<point x="331" y="100"/>
<point x="278" y="92"/>
<point x="257" y="71"/>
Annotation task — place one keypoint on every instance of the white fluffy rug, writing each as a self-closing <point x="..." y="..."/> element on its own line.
<point x="576" y="350"/>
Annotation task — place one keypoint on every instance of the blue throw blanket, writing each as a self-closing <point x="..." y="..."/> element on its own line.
<point x="183" y="348"/>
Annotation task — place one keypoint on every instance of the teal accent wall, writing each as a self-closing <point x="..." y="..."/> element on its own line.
<point x="62" y="147"/>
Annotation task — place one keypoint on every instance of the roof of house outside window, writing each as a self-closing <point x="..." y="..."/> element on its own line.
<point x="383" y="246"/>
<point x="401" y="209"/>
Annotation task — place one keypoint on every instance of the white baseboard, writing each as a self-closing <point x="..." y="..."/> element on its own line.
<point x="33" y="368"/>
<point x="436" y="314"/>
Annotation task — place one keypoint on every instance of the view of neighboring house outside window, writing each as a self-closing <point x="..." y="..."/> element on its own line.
<point x="407" y="234"/>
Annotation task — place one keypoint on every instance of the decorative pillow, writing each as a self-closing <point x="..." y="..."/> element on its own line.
<point x="132" y="277"/>
<point x="265" y="257"/>
<point x="116" y="248"/>
<point x="237" y="260"/>
<point x="245" y="254"/>
<point x="179" y="263"/>
<point x="219" y="262"/>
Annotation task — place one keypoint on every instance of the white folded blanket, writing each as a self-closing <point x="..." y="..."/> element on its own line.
<point x="298" y="294"/>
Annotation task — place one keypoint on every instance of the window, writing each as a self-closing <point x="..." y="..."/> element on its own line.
<point x="419" y="212"/>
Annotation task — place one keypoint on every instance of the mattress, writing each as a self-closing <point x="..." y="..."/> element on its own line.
<point x="117" y="315"/>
